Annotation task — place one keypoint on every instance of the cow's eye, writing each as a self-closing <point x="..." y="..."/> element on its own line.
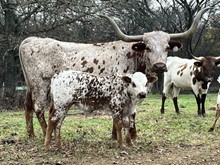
<point x="167" y="48"/>
<point x="133" y="85"/>
<point x="146" y="84"/>
<point x="148" y="49"/>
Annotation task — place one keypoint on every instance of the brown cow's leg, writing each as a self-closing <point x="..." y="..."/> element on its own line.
<point x="217" y="115"/>
<point x="28" y="104"/>
<point x="42" y="121"/>
<point x="203" y="104"/>
<point x="198" y="101"/>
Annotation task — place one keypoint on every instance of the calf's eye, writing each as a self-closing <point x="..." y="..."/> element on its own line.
<point x="133" y="85"/>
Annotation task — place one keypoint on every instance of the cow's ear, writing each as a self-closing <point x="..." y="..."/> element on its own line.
<point x="140" y="46"/>
<point x="198" y="63"/>
<point x="175" y="45"/>
<point x="152" y="78"/>
<point x="217" y="63"/>
<point x="126" y="79"/>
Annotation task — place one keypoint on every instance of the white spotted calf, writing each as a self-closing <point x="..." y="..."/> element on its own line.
<point x="89" y="92"/>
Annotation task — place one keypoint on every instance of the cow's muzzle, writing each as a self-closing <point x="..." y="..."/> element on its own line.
<point x="159" y="67"/>
<point x="209" y="79"/>
<point x="142" y="95"/>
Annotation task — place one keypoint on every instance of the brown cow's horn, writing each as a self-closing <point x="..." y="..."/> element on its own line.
<point x="217" y="58"/>
<point x="120" y="34"/>
<point x="197" y="58"/>
<point x="192" y="29"/>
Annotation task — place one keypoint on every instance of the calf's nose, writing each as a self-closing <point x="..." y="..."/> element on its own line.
<point x="142" y="95"/>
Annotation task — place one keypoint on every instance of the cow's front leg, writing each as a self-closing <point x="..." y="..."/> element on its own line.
<point x="198" y="101"/>
<point x="163" y="103"/>
<point x="203" y="104"/>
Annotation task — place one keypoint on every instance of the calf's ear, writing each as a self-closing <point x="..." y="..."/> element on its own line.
<point x="140" y="46"/>
<point x="175" y="45"/>
<point x="126" y="79"/>
<point x="152" y="78"/>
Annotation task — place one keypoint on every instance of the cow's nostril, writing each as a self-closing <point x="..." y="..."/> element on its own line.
<point x="159" y="67"/>
<point x="142" y="95"/>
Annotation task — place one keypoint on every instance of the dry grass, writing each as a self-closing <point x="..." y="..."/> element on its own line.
<point x="162" y="139"/>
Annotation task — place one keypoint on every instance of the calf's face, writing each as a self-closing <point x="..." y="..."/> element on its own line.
<point x="137" y="85"/>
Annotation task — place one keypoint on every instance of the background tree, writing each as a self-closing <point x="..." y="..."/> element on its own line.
<point x="78" y="21"/>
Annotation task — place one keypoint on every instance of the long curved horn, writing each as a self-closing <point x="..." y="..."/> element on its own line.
<point x="192" y="29"/>
<point x="217" y="58"/>
<point x="198" y="58"/>
<point x="120" y="34"/>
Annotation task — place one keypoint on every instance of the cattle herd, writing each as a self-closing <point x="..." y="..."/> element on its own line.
<point x="110" y="76"/>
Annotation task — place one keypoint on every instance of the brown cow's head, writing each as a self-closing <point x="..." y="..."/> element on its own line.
<point x="205" y="67"/>
<point x="155" y="45"/>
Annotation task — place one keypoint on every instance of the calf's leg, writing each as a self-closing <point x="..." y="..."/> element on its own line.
<point x="132" y="129"/>
<point x="118" y="126"/>
<point x="42" y="121"/>
<point x="57" y="133"/>
<point x="50" y="128"/>
<point x="217" y="115"/>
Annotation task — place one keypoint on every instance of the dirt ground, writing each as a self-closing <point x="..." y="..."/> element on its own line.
<point x="26" y="151"/>
<point x="23" y="153"/>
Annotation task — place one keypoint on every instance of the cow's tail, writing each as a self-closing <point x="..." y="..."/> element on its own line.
<point x="22" y="65"/>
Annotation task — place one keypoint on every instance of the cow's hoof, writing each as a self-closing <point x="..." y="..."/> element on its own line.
<point x="211" y="130"/>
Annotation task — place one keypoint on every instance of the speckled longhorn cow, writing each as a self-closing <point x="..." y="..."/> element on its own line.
<point x="195" y="74"/>
<point x="42" y="57"/>
<point x="89" y="92"/>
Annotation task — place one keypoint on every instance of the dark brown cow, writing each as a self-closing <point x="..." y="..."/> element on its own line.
<point x="195" y="74"/>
